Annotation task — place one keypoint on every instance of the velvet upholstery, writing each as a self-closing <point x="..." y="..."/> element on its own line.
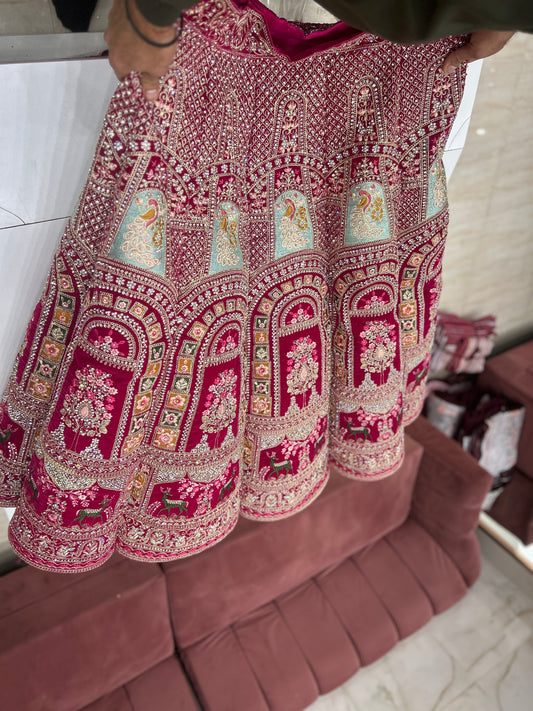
<point x="267" y="620"/>
<point x="511" y="374"/>
<point x="115" y="701"/>
<point x="447" y="498"/>
<point x="259" y="561"/>
<point x="276" y="660"/>
<point x="396" y="586"/>
<point x="294" y="640"/>
<point x="161" y="688"/>
<point x="322" y="638"/>
<point x="430" y="564"/>
<point x="362" y="613"/>
<point x="82" y="640"/>
<point x="222" y="675"/>
<point x="513" y="508"/>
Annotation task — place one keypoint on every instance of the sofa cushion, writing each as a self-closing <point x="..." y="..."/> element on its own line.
<point x="513" y="508"/>
<point x="449" y="491"/>
<point x="361" y="612"/>
<point x="222" y="675"/>
<point x="511" y="373"/>
<point x="396" y="586"/>
<point x="280" y="656"/>
<point x="162" y="688"/>
<point x="115" y="701"/>
<point x="436" y="573"/>
<point x="82" y="636"/>
<point x="259" y="561"/>
<point x="322" y="638"/>
<point x="276" y="659"/>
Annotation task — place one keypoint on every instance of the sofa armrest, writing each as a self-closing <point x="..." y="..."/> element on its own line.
<point x="448" y="495"/>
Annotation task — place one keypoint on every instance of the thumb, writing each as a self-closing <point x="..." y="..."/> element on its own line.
<point x="459" y="56"/>
<point x="150" y="85"/>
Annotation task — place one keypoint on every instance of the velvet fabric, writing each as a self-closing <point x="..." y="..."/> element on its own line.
<point x="256" y="563"/>
<point x="82" y="638"/>
<point x="405" y="600"/>
<point x="245" y="294"/>
<point x="511" y="374"/>
<point x="218" y="664"/>
<point x="266" y="621"/>
<point x="325" y="643"/>
<point x="513" y="508"/>
<point x="290" y="39"/>
<point x="162" y="688"/>
<point x="446" y="500"/>
<point x="311" y="640"/>
<point x="361" y="612"/>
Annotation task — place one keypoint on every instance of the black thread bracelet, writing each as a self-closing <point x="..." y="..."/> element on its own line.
<point x="147" y="39"/>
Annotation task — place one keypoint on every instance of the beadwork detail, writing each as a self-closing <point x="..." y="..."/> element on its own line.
<point x="245" y="294"/>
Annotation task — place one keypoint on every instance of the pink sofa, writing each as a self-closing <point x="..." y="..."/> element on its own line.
<point x="270" y="618"/>
<point x="511" y="374"/>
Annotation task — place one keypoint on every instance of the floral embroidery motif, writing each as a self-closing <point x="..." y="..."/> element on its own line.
<point x="293" y="225"/>
<point x="321" y="189"/>
<point x="226" y="249"/>
<point x="367" y="215"/>
<point x="221" y="403"/>
<point x="302" y="366"/>
<point x="378" y="346"/>
<point x="88" y="405"/>
<point x="141" y="238"/>
<point x="289" y="132"/>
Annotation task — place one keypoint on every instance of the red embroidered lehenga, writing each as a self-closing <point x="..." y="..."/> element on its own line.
<point x="245" y="294"/>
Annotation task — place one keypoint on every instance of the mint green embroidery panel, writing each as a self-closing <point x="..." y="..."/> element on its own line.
<point x="437" y="195"/>
<point x="292" y="223"/>
<point x="368" y="220"/>
<point x="141" y="239"/>
<point x="226" y="252"/>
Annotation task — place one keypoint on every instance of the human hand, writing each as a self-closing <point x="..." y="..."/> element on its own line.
<point x="128" y="52"/>
<point x="481" y="44"/>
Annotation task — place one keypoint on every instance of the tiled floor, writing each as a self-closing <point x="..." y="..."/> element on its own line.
<point x="35" y="17"/>
<point x="477" y="656"/>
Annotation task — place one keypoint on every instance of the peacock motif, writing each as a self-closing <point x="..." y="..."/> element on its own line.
<point x="293" y="229"/>
<point x="226" y="252"/>
<point x="367" y="214"/>
<point x="141" y="237"/>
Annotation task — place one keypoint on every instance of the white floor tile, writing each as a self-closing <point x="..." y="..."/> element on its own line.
<point x="25" y="17"/>
<point x="44" y="48"/>
<point x="51" y="114"/>
<point x="99" y="18"/>
<point x="511" y="683"/>
<point x="473" y="699"/>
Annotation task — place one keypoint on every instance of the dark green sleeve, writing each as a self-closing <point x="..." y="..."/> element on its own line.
<point x="397" y="20"/>
<point x="163" y="12"/>
<point x="423" y="20"/>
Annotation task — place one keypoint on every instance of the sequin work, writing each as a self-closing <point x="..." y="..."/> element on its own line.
<point x="246" y="292"/>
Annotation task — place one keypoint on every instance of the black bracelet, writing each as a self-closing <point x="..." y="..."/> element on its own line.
<point x="147" y="39"/>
